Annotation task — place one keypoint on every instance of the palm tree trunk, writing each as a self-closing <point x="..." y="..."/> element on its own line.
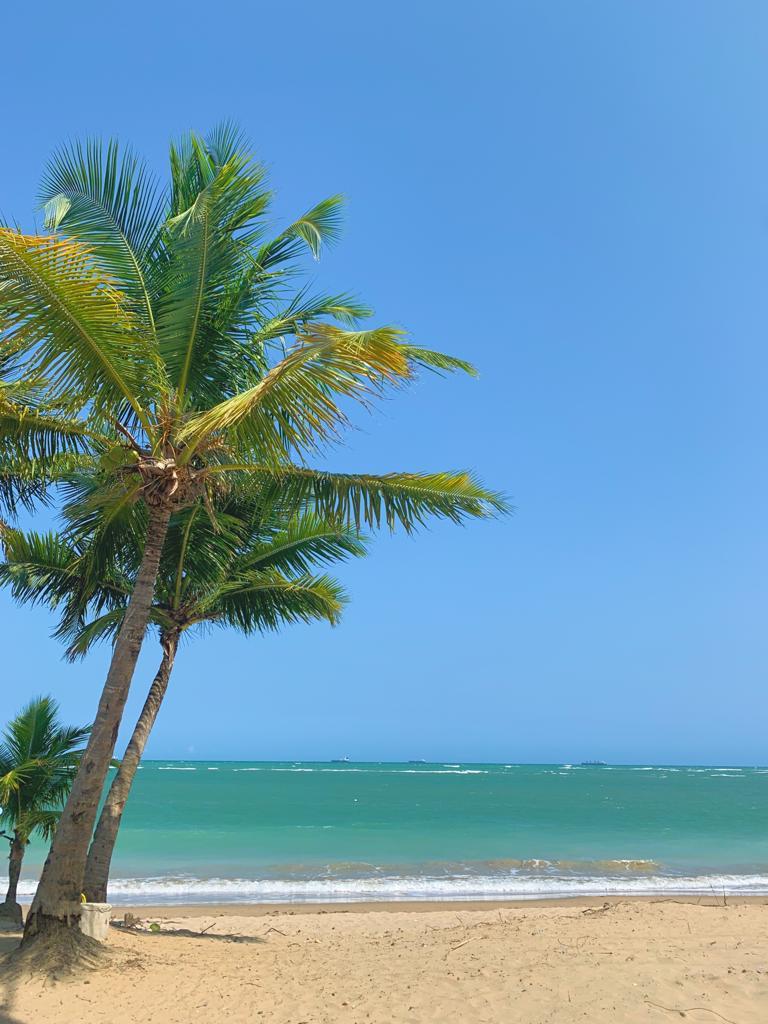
<point x="10" y="908"/>
<point x="102" y="847"/>
<point x="56" y="905"/>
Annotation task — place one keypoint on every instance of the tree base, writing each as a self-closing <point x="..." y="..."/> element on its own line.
<point x="55" y="947"/>
<point x="11" y="917"/>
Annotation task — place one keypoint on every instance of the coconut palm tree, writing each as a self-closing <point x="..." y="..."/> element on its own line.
<point x="246" y="569"/>
<point x="38" y="757"/>
<point x="169" y="329"/>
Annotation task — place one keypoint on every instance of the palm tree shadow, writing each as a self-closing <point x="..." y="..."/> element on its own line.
<point x="5" y="1016"/>
<point x="187" y="933"/>
<point x="9" y="980"/>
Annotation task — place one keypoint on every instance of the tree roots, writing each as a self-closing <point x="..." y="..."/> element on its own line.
<point x="57" y="950"/>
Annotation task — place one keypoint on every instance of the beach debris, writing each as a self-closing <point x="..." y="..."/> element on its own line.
<point x="154" y="927"/>
<point x="690" y="1009"/>
<point x="600" y="910"/>
<point x="460" y="944"/>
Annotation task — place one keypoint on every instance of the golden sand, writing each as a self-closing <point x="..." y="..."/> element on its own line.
<point x="604" y="963"/>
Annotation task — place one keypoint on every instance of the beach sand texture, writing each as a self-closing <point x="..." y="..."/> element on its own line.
<point x="628" y="960"/>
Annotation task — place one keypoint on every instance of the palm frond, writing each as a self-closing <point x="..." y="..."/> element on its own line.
<point x="198" y="554"/>
<point x="26" y="482"/>
<point x="264" y="600"/>
<point x="108" y="200"/>
<point x="213" y="205"/>
<point x="105" y="627"/>
<point x="34" y="434"/>
<point x="104" y="510"/>
<point x="306" y="541"/>
<point x="37" y="758"/>
<point x="74" y="324"/>
<point x="38" y="567"/>
<point x="305" y="309"/>
<point x="42" y="821"/>
<point x="405" y="499"/>
<point x="296" y="405"/>
<point x="321" y="225"/>
<point x="83" y="637"/>
<point x="438" y="361"/>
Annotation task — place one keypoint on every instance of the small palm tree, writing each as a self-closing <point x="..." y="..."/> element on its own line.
<point x="38" y="760"/>
<point x="244" y="570"/>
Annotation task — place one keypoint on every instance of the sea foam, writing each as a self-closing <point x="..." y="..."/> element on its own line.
<point x="176" y="890"/>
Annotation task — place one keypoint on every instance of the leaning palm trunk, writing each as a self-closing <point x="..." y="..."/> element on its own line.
<point x="57" y="901"/>
<point x="10" y="909"/>
<point x="105" y="836"/>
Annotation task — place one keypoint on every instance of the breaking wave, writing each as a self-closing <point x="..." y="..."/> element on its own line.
<point x="520" y="885"/>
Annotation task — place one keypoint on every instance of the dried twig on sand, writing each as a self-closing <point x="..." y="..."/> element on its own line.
<point x="690" y="1009"/>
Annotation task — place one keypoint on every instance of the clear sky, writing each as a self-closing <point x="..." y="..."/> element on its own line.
<point x="575" y="197"/>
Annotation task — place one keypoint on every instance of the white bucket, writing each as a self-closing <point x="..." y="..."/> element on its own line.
<point x="94" y="920"/>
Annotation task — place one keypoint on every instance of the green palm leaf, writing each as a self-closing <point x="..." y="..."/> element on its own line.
<point x="38" y="568"/>
<point x="73" y="322"/>
<point x="213" y="204"/>
<point x="306" y="309"/>
<point x="265" y="600"/>
<point x="32" y="434"/>
<point x="318" y="226"/>
<point x="104" y="627"/>
<point x="296" y="405"/>
<point x="361" y="499"/>
<point x="38" y="757"/>
<point x="438" y="361"/>
<point x="107" y="200"/>
<point x="306" y="541"/>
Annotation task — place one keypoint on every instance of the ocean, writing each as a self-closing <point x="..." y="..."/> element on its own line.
<point x="229" y="831"/>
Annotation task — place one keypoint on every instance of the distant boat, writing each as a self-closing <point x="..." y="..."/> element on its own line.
<point x="419" y="760"/>
<point x="594" y="764"/>
<point x="340" y="760"/>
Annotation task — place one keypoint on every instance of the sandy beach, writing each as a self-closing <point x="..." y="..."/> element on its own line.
<point x="592" y="960"/>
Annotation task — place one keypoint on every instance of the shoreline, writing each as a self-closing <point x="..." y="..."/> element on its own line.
<point x="254" y="909"/>
<point x="380" y="889"/>
<point x="422" y="906"/>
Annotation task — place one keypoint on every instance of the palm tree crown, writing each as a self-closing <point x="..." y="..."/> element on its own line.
<point x="171" y="335"/>
<point x="38" y="758"/>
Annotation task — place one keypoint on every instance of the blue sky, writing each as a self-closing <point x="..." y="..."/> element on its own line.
<point x="575" y="197"/>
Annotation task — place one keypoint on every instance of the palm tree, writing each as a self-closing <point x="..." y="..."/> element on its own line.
<point x="245" y="570"/>
<point x="38" y="757"/>
<point x="168" y="328"/>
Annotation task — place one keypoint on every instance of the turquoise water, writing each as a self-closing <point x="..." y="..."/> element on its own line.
<point x="282" y="831"/>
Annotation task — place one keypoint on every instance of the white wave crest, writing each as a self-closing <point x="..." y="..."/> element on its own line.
<point x="168" y="890"/>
